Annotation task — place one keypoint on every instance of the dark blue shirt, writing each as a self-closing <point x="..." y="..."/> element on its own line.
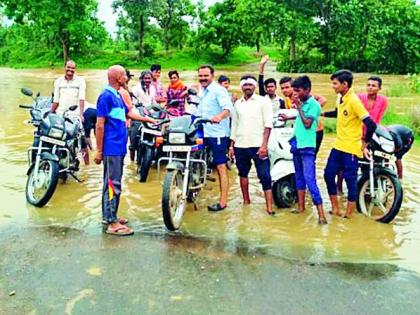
<point x="111" y="106"/>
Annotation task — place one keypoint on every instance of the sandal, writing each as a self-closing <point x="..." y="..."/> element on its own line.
<point x="122" y="221"/>
<point x="296" y="211"/>
<point x="322" y="221"/>
<point x="332" y="213"/>
<point x="272" y="213"/>
<point x="120" y="230"/>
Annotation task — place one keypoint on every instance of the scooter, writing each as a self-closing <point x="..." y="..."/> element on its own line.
<point x="282" y="169"/>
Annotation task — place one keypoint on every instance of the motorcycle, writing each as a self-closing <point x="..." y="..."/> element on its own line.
<point x="380" y="192"/>
<point x="53" y="155"/>
<point x="282" y="169"/>
<point x="186" y="169"/>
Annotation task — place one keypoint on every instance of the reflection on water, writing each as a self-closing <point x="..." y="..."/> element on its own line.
<point x="239" y="230"/>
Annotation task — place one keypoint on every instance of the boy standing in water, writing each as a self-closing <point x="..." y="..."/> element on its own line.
<point x="304" y="151"/>
<point x="348" y="146"/>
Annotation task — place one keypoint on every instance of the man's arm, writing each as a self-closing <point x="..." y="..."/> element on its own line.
<point x="82" y="96"/>
<point x="56" y="97"/>
<point x="100" y="127"/>
<point x="320" y="99"/>
<point x="261" y="67"/>
<point x="135" y="116"/>
<point x="226" y="105"/>
<point x="330" y="114"/>
<point x="263" y="150"/>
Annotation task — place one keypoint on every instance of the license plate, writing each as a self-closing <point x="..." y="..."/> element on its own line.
<point x="152" y="132"/>
<point x="176" y="148"/>
<point x="53" y="141"/>
<point x="383" y="155"/>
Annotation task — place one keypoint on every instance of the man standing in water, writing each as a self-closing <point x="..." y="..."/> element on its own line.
<point x="69" y="90"/>
<point x="215" y="104"/>
<point x="111" y="141"/>
<point x="348" y="147"/>
<point x="250" y="143"/>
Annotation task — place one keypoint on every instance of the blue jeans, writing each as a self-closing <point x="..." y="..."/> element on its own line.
<point x="349" y="163"/>
<point x="113" y="171"/>
<point x="304" y="161"/>
<point x="244" y="156"/>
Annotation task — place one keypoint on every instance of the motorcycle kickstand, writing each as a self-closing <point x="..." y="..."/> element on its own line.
<point x="75" y="177"/>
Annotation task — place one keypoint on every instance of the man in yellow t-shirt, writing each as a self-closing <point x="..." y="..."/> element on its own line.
<point x="348" y="146"/>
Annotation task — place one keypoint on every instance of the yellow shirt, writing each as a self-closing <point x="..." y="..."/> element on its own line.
<point x="350" y="115"/>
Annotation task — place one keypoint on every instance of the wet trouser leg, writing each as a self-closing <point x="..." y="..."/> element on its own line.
<point x="304" y="160"/>
<point x="113" y="171"/>
<point x="351" y="165"/>
<point x="334" y="164"/>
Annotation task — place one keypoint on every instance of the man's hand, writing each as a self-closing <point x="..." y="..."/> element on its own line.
<point x="283" y="117"/>
<point x="152" y="121"/>
<point x="297" y="102"/>
<point x="262" y="152"/>
<point x="264" y="59"/>
<point x="367" y="154"/>
<point x="216" y="119"/>
<point x="231" y="153"/>
<point x="98" y="157"/>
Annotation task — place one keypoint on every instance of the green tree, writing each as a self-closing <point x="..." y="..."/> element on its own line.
<point x="65" y="25"/>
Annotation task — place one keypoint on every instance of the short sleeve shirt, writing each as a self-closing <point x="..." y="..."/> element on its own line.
<point x="350" y="115"/>
<point x="213" y="100"/>
<point x="110" y="106"/>
<point x="306" y="137"/>
<point x="69" y="92"/>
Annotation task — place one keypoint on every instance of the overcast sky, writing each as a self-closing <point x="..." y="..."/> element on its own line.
<point x="105" y="13"/>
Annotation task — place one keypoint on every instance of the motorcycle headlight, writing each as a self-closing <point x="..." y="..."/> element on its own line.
<point x="177" y="138"/>
<point x="55" y="133"/>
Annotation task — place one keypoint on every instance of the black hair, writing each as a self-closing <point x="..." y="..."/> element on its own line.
<point x="343" y="76"/>
<point x="155" y="67"/>
<point x="248" y="76"/>
<point x="172" y="72"/>
<point x="285" y="80"/>
<point x="270" y="80"/>
<point x="302" y="82"/>
<point x="377" y="79"/>
<point x="207" y="66"/>
<point x="223" y="78"/>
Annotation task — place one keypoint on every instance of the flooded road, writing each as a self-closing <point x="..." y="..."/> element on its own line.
<point x="239" y="231"/>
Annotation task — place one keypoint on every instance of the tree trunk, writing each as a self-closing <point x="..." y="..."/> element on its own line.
<point x="257" y="43"/>
<point x="167" y="25"/>
<point x="65" y="43"/>
<point x="141" y="37"/>
<point x="292" y="52"/>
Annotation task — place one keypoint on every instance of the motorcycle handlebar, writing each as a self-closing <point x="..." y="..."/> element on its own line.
<point x="25" y="106"/>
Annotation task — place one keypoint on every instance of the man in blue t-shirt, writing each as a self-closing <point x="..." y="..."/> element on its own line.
<point x="111" y="141"/>
<point x="304" y="148"/>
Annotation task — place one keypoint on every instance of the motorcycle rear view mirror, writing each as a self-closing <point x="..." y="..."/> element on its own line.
<point x="73" y="107"/>
<point x="26" y="91"/>
<point x="192" y="91"/>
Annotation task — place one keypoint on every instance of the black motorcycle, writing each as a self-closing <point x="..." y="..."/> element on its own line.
<point x="53" y="155"/>
<point x="380" y="191"/>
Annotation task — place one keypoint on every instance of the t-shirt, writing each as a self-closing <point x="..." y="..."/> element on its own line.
<point x="111" y="106"/>
<point x="68" y="92"/>
<point x="350" y="115"/>
<point x="249" y="119"/>
<point x="306" y="137"/>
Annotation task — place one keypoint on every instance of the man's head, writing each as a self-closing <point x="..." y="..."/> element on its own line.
<point x="286" y="86"/>
<point x="146" y="78"/>
<point x="248" y="84"/>
<point x="69" y="69"/>
<point x="341" y="81"/>
<point x="302" y="87"/>
<point x="173" y="76"/>
<point x="374" y="85"/>
<point x="270" y="87"/>
<point x="224" y="81"/>
<point x="205" y="75"/>
<point x="156" y="69"/>
<point x="117" y="76"/>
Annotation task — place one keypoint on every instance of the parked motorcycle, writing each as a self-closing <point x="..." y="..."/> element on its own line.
<point x="380" y="191"/>
<point x="53" y="155"/>
<point x="281" y="160"/>
<point x="186" y="169"/>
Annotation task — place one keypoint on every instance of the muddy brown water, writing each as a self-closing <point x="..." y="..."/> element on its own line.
<point x="286" y="235"/>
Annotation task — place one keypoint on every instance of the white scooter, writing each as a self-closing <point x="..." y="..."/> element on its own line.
<point x="281" y="160"/>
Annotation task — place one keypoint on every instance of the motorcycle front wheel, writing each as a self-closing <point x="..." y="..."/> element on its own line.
<point x="146" y="162"/>
<point x="173" y="203"/>
<point x="385" y="204"/>
<point x="40" y="187"/>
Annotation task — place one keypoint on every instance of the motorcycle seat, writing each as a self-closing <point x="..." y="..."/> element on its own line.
<point x="384" y="133"/>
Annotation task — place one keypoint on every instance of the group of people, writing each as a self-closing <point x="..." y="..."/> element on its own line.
<point x="240" y="129"/>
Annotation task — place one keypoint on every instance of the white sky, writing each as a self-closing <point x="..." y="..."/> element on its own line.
<point x="105" y="13"/>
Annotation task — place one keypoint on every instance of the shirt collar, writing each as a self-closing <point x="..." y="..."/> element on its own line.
<point x="347" y="95"/>
<point x="112" y="90"/>
<point x="253" y="97"/>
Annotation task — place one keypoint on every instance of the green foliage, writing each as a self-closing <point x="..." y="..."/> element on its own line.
<point x="414" y="83"/>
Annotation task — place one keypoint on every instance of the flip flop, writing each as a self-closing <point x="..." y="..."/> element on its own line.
<point x="322" y="221"/>
<point x="332" y="213"/>
<point x="120" y="231"/>
<point x="122" y="221"/>
<point x="295" y="211"/>
<point x="272" y="213"/>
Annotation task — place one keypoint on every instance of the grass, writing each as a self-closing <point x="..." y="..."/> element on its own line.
<point x="186" y="59"/>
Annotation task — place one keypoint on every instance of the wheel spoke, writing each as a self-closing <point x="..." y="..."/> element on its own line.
<point x="382" y="207"/>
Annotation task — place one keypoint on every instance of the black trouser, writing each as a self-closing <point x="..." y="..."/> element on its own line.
<point x="113" y="171"/>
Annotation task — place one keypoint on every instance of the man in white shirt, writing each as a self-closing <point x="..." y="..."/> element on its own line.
<point x="145" y="92"/>
<point x="251" y="127"/>
<point x="69" y="90"/>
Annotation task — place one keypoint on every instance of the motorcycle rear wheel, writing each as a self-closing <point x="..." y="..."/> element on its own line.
<point x="40" y="190"/>
<point x="388" y="196"/>
<point x="173" y="203"/>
